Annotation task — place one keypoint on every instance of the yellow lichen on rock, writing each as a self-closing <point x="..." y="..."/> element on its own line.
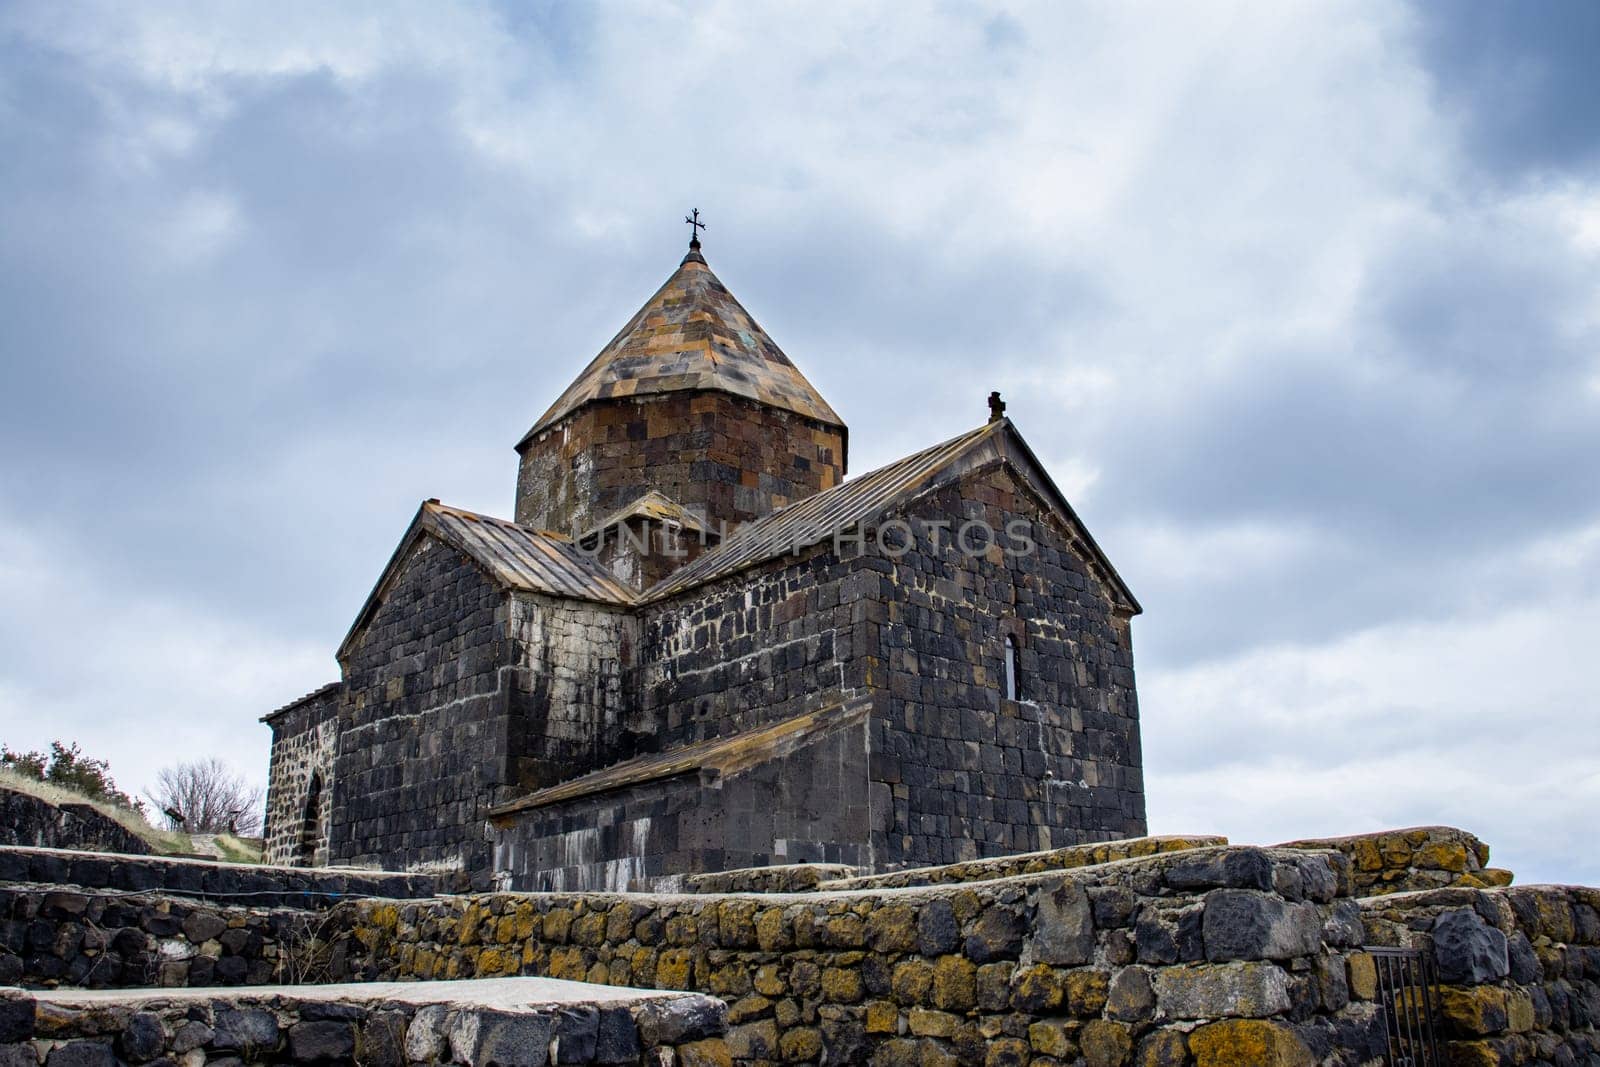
<point x="1248" y="1043"/>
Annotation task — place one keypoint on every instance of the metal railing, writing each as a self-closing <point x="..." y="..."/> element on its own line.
<point x="1408" y="993"/>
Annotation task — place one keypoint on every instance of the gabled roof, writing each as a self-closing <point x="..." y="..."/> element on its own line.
<point x="516" y="558"/>
<point x="814" y="519"/>
<point x="691" y="335"/>
<point x="655" y="506"/>
<point x="721" y="755"/>
<point x="314" y="695"/>
<point x="523" y="559"/>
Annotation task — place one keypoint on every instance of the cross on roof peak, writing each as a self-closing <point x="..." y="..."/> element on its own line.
<point x="693" y="220"/>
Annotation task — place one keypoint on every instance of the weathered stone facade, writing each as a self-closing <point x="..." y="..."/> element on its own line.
<point x="299" y="791"/>
<point x="626" y="713"/>
<point x="570" y="710"/>
<point x="969" y="772"/>
<point x="768" y="796"/>
<point x="424" y="729"/>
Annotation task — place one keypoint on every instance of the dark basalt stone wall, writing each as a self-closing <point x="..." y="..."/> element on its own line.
<point x="308" y="887"/>
<point x="961" y="771"/>
<point x="29" y="820"/>
<point x="753" y="649"/>
<point x="424" y="729"/>
<point x="969" y="772"/>
<point x="571" y="707"/>
<point x="802" y="805"/>
<point x="300" y="793"/>
<point x="463" y="1028"/>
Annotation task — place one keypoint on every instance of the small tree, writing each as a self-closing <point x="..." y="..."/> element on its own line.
<point x="66" y="766"/>
<point x="205" y="797"/>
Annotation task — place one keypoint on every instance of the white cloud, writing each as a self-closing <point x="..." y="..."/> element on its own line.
<point x="1486" y="723"/>
<point x="198" y="227"/>
<point x="140" y="678"/>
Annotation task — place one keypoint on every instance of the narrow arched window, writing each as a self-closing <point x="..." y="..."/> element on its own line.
<point x="311" y="823"/>
<point x="1013" y="669"/>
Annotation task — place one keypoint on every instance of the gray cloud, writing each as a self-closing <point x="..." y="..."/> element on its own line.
<point x="1521" y="80"/>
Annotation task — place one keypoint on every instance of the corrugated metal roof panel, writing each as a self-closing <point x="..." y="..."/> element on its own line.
<point x="816" y="518"/>
<point x="723" y="755"/>
<point x="525" y="559"/>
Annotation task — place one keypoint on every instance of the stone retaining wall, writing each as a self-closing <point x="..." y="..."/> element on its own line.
<point x="1212" y="957"/>
<point x="308" y="887"/>
<point x="515" y="1023"/>
<point x="33" y="821"/>
<point x="1193" y="957"/>
<point x="101" y="939"/>
<point x="1424" y="857"/>
<point x="1519" y="968"/>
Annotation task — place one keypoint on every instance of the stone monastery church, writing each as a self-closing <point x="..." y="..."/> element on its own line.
<point x="698" y="647"/>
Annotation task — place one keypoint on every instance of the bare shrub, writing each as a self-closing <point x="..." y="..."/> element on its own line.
<point x="205" y="797"/>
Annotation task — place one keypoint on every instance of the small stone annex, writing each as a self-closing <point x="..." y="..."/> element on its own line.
<point x="698" y="647"/>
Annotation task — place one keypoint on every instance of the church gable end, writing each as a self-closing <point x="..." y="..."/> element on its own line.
<point x="424" y="723"/>
<point x="967" y="771"/>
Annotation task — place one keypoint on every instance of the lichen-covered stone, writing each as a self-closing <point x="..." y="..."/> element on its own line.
<point x="954" y="984"/>
<point x="841" y="985"/>
<point x="1474" y="1011"/>
<point x="1105" y="1043"/>
<point x="753" y="1041"/>
<point x="1085" y="990"/>
<point x="710" y="1052"/>
<point x="911" y="981"/>
<point x="926" y="1023"/>
<point x="1054" y="1037"/>
<point x="1036" y="990"/>
<point x="800" y="1043"/>
<point x="1161" y="1048"/>
<point x="1007" y="1052"/>
<point x="1248" y="1043"/>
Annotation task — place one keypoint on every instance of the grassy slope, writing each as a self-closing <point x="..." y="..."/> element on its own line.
<point x="161" y="842"/>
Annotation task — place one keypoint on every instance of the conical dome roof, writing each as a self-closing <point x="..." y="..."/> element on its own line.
<point x="692" y="335"/>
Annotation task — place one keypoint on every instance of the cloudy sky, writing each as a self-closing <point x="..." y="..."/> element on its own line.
<point x="1299" y="301"/>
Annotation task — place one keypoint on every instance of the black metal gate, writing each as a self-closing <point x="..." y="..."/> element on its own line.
<point x="1408" y="993"/>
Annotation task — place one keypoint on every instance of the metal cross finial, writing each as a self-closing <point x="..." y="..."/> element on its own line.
<point x="694" y="234"/>
<point x="997" y="407"/>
